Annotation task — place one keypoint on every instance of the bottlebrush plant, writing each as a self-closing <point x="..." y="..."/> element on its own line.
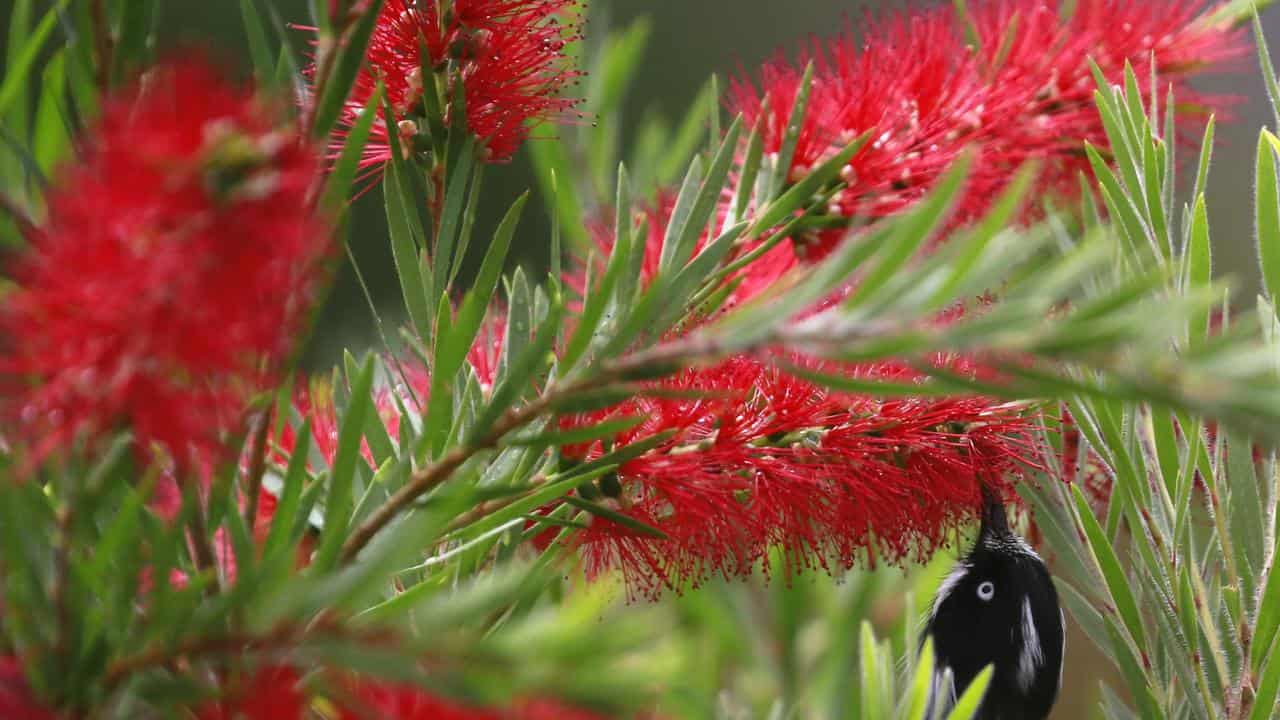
<point x="703" y="466"/>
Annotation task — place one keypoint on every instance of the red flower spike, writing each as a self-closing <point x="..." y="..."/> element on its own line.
<point x="16" y="699"/>
<point x="768" y="460"/>
<point x="1044" y="79"/>
<point x="924" y="95"/>
<point x="510" y="59"/>
<point x="271" y="693"/>
<point x="170" y="280"/>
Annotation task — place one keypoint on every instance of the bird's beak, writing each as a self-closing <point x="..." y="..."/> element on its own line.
<point x="994" y="521"/>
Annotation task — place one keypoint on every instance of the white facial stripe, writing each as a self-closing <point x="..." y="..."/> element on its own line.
<point x="948" y="586"/>
<point x="1032" y="655"/>
<point x="1011" y="543"/>
<point x="1062" y="617"/>
<point x="942" y="693"/>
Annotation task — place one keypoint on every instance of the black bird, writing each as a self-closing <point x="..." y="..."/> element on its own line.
<point x="998" y="607"/>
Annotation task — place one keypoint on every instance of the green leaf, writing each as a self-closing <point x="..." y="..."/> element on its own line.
<point x="800" y="194"/>
<point x="1267" y="690"/>
<point x="1199" y="266"/>
<point x="52" y="129"/>
<point x="337" y="187"/>
<point x="451" y="213"/>
<point x="1264" y="61"/>
<point x="346" y="64"/>
<point x="967" y="706"/>
<point x="1267" y="215"/>
<point x="748" y="172"/>
<point x="574" y="435"/>
<point x="1246" y="510"/>
<point x="339" y="499"/>
<point x="910" y="235"/>
<point x="871" y="675"/>
<point x="917" y="703"/>
<point x="1104" y="555"/>
<point x="599" y="295"/>
<point x="683" y="231"/>
<point x="995" y="220"/>
<point x="264" y="66"/>
<point x="289" y="496"/>
<point x="1118" y="201"/>
<point x="517" y="379"/>
<point x="18" y="69"/>
<point x="452" y="346"/>
<point x="791" y="135"/>
<point x="615" y="517"/>
<point x="1206" y="156"/>
<point x="407" y="241"/>
<point x="680" y="214"/>
<point x="136" y="21"/>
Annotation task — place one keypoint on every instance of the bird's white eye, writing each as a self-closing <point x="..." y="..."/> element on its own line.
<point x="986" y="590"/>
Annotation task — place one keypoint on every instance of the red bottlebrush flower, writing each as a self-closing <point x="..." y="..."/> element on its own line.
<point x="406" y="702"/>
<point x="1040" y="70"/>
<point x="923" y="95"/>
<point x="370" y="699"/>
<point x="271" y="693"/>
<point x="767" y="460"/>
<point x="409" y="386"/>
<point x="169" y="281"/>
<point x="509" y="56"/>
<point x="16" y="699"/>
<point x="750" y="280"/>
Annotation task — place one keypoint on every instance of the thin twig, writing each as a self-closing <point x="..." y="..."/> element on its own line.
<point x="257" y="468"/>
<point x="668" y="358"/>
<point x="202" y="551"/>
<point x="103" y="42"/>
<point x="427" y="479"/>
<point x="282" y="637"/>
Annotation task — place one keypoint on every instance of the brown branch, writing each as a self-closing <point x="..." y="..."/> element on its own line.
<point x="202" y="551"/>
<point x="103" y="43"/>
<point x="430" y="477"/>
<point x="257" y="468"/>
<point x="285" y="636"/>
<point x="658" y="361"/>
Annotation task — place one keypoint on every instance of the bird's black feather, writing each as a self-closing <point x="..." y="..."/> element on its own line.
<point x="998" y="607"/>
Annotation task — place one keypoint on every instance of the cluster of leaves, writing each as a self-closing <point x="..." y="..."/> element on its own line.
<point x="428" y="538"/>
<point x="1173" y="572"/>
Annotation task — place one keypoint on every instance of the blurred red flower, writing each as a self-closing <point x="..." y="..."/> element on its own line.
<point x="172" y="276"/>
<point x="509" y="56"/>
<point x="16" y="699"/>
<point x="270" y="693"/>
<point x="914" y="83"/>
<point x="371" y="699"/>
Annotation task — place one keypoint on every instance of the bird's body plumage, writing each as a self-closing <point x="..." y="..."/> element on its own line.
<point x="998" y="607"/>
